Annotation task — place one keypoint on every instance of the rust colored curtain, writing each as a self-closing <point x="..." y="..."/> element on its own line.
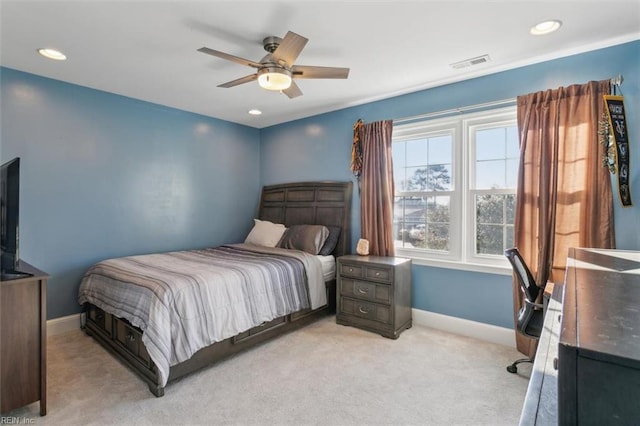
<point x="564" y="196"/>
<point x="376" y="202"/>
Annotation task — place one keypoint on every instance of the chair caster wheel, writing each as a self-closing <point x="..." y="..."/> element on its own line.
<point x="512" y="369"/>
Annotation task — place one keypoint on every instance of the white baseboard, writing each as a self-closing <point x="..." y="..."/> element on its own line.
<point x="487" y="332"/>
<point x="63" y="324"/>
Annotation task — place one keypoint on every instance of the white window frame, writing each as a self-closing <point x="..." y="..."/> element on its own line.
<point x="462" y="204"/>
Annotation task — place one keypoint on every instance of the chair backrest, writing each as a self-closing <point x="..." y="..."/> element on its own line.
<point x="527" y="323"/>
<point x="526" y="280"/>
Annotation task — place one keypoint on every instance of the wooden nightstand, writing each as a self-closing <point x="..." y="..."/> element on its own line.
<point x="374" y="293"/>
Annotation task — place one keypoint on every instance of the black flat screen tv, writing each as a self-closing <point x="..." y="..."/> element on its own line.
<point x="10" y="215"/>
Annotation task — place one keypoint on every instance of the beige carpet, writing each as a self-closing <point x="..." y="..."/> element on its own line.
<point x="324" y="374"/>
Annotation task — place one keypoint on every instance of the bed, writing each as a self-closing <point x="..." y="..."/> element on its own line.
<point x="154" y="312"/>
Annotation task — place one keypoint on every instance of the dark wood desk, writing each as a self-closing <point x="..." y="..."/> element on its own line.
<point x="587" y="366"/>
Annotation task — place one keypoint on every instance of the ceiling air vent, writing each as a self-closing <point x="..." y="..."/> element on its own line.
<point x="471" y="62"/>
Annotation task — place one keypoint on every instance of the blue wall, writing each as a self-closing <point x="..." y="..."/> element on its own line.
<point x="104" y="175"/>
<point x="319" y="148"/>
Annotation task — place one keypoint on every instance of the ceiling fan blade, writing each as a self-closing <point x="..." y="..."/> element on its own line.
<point x="293" y="91"/>
<point x="305" y="71"/>
<point x="228" y="57"/>
<point x="241" y="80"/>
<point x="289" y="48"/>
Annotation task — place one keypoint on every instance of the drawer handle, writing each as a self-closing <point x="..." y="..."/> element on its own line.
<point x="363" y="310"/>
<point x="131" y="337"/>
<point x="100" y="316"/>
<point x="363" y="290"/>
<point x="350" y="269"/>
<point x="377" y="274"/>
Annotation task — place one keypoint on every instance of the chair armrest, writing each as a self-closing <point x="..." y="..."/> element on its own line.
<point x="535" y="305"/>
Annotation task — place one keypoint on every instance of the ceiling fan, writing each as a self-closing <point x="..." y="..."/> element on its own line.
<point x="276" y="70"/>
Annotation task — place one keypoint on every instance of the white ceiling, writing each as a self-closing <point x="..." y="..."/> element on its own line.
<point x="147" y="49"/>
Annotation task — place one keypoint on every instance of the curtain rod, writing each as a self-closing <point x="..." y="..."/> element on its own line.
<point x="457" y="110"/>
<point x="617" y="81"/>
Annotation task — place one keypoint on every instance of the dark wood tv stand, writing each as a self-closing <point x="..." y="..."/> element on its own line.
<point x="23" y="338"/>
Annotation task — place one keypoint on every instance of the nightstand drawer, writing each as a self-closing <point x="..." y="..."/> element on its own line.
<point x="378" y="274"/>
<point x="379" y="293"/>
<point x="353" y="271"/>
<point x="367" y="310"/>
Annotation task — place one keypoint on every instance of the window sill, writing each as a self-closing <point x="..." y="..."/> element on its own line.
<point x="459" y="265"/>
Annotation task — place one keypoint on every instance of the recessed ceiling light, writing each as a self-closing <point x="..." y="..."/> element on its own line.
<point x="545" y="27"/>
<point x="255" y="112"/>
<point x="52" y="54"/>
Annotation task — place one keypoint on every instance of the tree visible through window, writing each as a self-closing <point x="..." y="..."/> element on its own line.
<point x="494" y="219"/>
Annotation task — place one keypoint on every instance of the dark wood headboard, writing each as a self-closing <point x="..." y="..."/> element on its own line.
<point x="310" y="203"/>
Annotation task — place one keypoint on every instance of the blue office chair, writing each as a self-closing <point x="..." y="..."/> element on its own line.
<point x="531" y="315"/>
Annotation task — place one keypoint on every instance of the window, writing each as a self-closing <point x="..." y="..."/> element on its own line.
<point x="455" y="184"/>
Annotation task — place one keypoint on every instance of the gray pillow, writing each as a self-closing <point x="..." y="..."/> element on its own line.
<point x="332" y="241"/>
<point x="309" y="238"/>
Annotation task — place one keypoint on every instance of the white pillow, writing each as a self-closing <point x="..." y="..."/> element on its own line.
<point x="265" y="233"/>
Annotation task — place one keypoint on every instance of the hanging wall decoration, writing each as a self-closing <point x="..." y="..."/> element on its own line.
<point x="356" y="152"/>
<point x="617" y="128"/>
<point x="605" y="137"/>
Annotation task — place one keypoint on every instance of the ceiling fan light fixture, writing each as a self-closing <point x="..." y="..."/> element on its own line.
<point x="276" y="70"/>
<point x="274" y="78"/>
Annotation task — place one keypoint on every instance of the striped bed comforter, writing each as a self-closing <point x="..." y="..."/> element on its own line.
<point x="184" y="301"/>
